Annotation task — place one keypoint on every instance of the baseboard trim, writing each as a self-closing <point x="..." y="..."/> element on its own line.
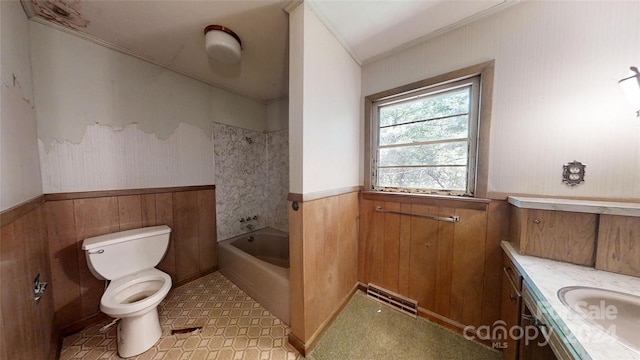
<point x="297" y="344"/>
<point x="441" y="320"/>
<point x="305" y="348"/>
<point x="452" y="325"/>
<point x="55" y="352"/>
<point x="194" y="277"/>
<point x="83" y="323"/>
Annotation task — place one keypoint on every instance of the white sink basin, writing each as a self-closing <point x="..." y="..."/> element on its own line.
<point x="615" y="313"/>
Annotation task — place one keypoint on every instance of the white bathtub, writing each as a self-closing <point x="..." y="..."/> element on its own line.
<point x="264" y="275"/>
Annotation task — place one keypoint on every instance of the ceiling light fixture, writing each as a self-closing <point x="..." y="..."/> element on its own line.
<point x="631" y="87"/>
<point x="222" y="44"/>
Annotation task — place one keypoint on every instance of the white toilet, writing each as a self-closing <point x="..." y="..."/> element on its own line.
<point x="127" y="259"/>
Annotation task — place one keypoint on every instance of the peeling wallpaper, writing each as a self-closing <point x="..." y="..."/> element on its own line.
<point x="108" y="121"/>
<point x="108" y="159"/>
<point x="251" y="179"/>
<point x="79" y="84"/>
<point x="249" y="168"/>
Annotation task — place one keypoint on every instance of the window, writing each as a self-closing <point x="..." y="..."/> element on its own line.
<point x="425" y="137"/>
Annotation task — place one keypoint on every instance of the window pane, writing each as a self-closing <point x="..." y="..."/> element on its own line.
<point x="426" y="107"/>
<point x="439" y="178"/>
<point x="453" y="153"/>
<point x="441" y="129"/>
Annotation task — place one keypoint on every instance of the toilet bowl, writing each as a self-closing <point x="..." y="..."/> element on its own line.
<point x="127" y="258"/>
<point x="135" y="299"/>
<point x="135" y="294"/>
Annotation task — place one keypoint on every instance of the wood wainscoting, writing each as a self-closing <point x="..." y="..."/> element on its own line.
<point x="619" y="244"/>
<point x="27" y="329"/>
<point x="558" y="235"/>
<point x="73" y="217"/>
<point x="323" y="238"/>
<point x="453" y="270"/>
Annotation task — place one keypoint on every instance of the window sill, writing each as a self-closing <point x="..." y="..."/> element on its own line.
<point x="428" y="199"/>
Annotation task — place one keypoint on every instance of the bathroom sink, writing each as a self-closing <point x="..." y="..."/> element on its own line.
<point x="615" y="313"/>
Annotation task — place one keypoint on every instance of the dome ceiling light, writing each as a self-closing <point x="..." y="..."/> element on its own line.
<point x="222" y="44"/>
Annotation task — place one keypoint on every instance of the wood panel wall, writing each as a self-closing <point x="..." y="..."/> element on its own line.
<point x="606" y="242"/>
<point x="27" y="329"/>
<point x="453" y="270"/>
<point x="71" y="218"/>
<point x="619" y="244"/>
<point x="558" y="235"/>
<point x="323" y="237"/>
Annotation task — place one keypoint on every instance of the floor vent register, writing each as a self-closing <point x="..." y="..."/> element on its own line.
<point x="396" y="301"/>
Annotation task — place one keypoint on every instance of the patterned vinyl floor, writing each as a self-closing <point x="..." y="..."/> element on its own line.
<point x="233" y="327"/>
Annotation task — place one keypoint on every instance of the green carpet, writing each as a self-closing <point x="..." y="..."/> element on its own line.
<point x="366" y="329"/>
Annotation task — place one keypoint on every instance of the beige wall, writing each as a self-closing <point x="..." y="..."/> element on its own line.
<point x="555" y="97"/>
<point x="19" y="163"/>
<point x="278" y="115"/>
<point x="325" y="113"/>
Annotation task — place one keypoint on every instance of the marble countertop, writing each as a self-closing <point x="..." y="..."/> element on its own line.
<point x="584" y="206"/>
<point x="545" y="277"/>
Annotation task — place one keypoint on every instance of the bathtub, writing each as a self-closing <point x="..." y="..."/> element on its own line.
<point x="258" y="263"/>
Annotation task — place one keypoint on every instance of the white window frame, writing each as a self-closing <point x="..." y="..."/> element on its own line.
<point x="478" y="140"/>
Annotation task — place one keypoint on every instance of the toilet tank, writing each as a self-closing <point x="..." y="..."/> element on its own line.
<point x="115" y="255"/>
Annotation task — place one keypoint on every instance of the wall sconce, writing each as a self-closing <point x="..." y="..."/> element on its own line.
<point x="222" y="44"/>
<point x="631" y="87"/>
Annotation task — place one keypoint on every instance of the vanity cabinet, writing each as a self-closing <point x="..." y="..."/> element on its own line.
<point x="558" y="235"/>
<point x="535" y="345"/>
<point x="510" y="309"/>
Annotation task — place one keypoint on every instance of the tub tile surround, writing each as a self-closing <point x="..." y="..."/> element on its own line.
<point x="545" y="277"/>
<point x="252" y="178"/>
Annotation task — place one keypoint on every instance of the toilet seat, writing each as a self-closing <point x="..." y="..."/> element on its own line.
<point x="135" y="294"/>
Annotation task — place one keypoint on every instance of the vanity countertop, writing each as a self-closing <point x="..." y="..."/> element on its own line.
<point x="545" y="277"/>
<point x="583" y="206"/>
